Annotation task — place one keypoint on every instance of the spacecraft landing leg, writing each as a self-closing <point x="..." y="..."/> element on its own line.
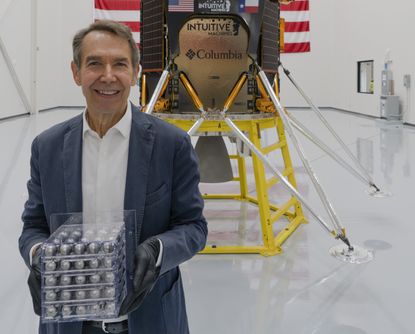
<point x="345" y="252"/>
<point x="373" y="190"/>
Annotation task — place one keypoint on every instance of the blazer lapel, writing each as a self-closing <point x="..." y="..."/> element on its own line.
<point x="72" y="165"/>
<point x="139" y="157"/>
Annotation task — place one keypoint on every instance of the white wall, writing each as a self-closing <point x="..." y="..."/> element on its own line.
<point x="59" y="20"/>
<point x="49" y="43"/>
<point x="368" y="28"/>
<point x="311" y="70"/>
<point x="15" y="33"/>
<point x="344" y="32"/>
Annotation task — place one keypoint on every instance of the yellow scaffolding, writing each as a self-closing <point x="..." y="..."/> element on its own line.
<point x="269" y="212"/>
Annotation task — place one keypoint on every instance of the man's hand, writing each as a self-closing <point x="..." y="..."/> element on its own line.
<point x="34" y="280"/>
<point x="145" y="274"/>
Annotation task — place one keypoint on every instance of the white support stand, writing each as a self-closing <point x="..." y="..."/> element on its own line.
<point x="14" y="76"/>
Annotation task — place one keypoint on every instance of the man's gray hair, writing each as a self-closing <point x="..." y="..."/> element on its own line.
<point x="112" y="27"/>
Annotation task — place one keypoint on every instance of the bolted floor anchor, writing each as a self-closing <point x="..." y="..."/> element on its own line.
<point x="343" y="238"/>
<point x="374" y="191"/>
<point x="347" y="252"/>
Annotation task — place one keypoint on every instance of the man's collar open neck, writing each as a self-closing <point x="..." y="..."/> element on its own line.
<point x="101" y="123"/>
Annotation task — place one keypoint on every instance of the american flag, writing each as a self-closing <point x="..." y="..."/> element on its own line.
<point x="181" y="6"/>
<point x="297" y="26"/>
<point x="124" y="11"/>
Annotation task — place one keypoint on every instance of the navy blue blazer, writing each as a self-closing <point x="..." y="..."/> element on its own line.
<point x="161" y="186"/>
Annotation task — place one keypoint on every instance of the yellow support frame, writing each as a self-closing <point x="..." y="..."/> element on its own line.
<point x="269" y="212"/>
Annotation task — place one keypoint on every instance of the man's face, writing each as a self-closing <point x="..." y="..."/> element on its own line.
<point x="106" y="73"/>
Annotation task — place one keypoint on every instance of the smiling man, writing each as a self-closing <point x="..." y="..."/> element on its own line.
<point x="104" y="69"/>
<point x="113" y="157"/>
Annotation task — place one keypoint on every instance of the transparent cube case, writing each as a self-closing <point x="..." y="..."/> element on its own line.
<point x="83" y="272"/>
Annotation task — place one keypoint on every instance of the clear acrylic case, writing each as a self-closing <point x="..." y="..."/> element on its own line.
<point x="83" y="269"/>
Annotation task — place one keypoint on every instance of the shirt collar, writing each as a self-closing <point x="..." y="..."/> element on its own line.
<point x="123" y="126"/>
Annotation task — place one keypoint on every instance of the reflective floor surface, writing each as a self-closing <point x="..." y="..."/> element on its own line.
<point x="304" y="290"/>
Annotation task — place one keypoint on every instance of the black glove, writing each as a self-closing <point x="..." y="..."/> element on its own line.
<point x="145" y="274"/>
<point x="34" y="280"/>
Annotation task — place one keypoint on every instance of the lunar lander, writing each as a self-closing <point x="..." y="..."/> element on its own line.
<point x="211" y="67"/>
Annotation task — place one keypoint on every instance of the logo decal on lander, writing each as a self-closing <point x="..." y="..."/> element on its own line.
<point x="211" y="54"/>
<point x="190" y="54"/>
<point x="214" y="5"/>
<point x="220" y="28"/>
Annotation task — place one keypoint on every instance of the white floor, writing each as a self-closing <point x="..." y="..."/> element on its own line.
<point x="302" y="290"/>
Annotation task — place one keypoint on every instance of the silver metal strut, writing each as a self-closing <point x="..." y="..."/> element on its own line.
<point x="239" y="134"/>
<point x="196" y="126"/>
<point x="310" y="136"/>
<point x="326" y="203"/>
<point x="15" y="78"/>
<point x="164" y="77"/>
<point x="332" y="131"/>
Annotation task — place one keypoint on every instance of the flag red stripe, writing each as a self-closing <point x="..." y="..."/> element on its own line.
<point x="134" y="26"/>
<point x="295" y="6"/>
<point x="297" y="26"/>
<point x="118" y="4"/>
<point x="251" y="9"/>
<point x="297" y="47"/>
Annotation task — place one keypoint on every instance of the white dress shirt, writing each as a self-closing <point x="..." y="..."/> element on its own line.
<point x="104" y="168"/>
<point x="104" y="171"/>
